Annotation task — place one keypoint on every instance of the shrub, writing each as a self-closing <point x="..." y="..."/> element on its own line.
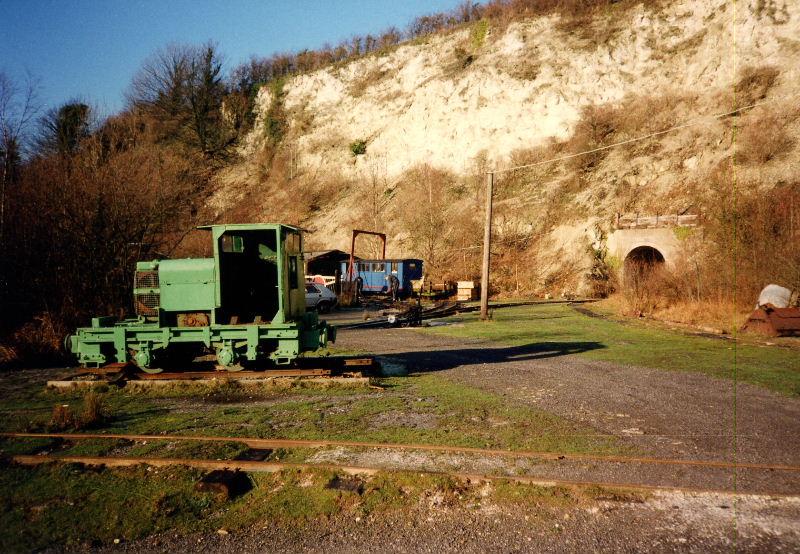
<point x="463" y="58"/>
<point x="596" y="128"/>
<point x="478" y="33"/>
<point x="95" y="410"/>
<point x="763" y="139"/>
<point x="275" y="119"/>
<point x="358" y="148"/>
<point x="645" y="289"/>
<point x="62" y="418"/>
<point x="749" y="239"/>
<point x="754" y="84"/>
<point x="600" y="275"/>
<point x="38" y="341"/>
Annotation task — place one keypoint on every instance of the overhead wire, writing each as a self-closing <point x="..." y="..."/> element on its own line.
<point x="685" y="125"/>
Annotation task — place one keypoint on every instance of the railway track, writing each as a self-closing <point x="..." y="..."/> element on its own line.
<point x="330" y="367"/>
<point x="260" y="443"/>
<point x="274" y="467"/>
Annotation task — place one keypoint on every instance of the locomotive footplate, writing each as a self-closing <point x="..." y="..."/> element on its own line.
<point x="304" y="367"/>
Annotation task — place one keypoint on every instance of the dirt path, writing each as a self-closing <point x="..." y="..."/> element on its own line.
<point x="661" y="413"/>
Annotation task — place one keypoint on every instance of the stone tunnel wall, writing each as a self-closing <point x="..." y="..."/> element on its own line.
<point x="622" y="241"/>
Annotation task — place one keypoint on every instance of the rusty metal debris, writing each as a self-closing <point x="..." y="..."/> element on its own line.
<point x="773" y="322"/>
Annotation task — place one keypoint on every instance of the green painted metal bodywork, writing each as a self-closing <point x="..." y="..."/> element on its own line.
<point x="260" y="260"/>
<point x="188" y="285"/>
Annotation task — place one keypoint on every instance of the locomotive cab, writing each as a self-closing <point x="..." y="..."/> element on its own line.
<point x="260" y="274"/>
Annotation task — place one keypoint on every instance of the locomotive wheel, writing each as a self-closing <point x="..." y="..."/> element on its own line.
<point x="228" y="358"/>
<point x="143" y="358"/>
<point x="151" y="370"/>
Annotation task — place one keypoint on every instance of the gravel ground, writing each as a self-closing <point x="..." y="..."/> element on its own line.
<point x="663" y="413"/>
<point x="668" y="522"/>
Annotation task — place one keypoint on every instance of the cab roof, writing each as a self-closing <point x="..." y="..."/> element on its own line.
<point x="247" y="226"/>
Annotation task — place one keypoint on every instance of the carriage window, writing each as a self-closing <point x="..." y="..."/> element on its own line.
<point x="394" y="267"/>
<point x="378" y="267"/>
<point x="232" y="243"/>
<point x="293" y="272"/>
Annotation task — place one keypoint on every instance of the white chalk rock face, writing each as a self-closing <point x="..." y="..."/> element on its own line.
<point x="524" y="86"/>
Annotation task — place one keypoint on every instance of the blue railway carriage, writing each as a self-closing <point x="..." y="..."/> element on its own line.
<point x="372" y="275"/>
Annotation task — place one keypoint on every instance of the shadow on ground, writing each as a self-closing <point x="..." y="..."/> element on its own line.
<point x="439" y="360"/>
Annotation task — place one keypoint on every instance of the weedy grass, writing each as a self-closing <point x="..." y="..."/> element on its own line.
<point x="68" y="505"/>
<point x="26" y="446"/>
<point x="202" y="450"/>
<point x="424" y="409"/>
<point x="569" y="331"/>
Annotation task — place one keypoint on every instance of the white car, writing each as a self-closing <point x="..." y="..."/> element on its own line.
<point x="320" y="298"/>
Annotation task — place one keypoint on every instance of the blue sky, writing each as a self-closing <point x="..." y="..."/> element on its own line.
<point x="90" y="49"/>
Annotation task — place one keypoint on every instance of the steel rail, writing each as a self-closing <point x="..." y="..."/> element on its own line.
<point x="253" y="442"/>
<point x="274" y="467"/>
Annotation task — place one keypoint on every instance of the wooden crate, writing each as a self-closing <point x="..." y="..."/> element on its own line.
<point x="467" y="291"/>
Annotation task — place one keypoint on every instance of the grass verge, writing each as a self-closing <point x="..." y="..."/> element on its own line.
<point x="423" y="409"/>
<point x="563" y="328"/>
<point x="68" y="505"/>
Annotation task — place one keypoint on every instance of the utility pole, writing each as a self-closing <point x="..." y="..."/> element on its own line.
<point x="487" y="246"/>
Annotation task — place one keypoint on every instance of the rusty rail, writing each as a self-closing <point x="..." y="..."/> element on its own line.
<point x="274" y="467"/>
<point x="253" y="442"/>
<point x="334" y="366"/>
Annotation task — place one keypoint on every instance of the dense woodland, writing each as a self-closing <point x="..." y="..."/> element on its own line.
<point x="83" y="197"/>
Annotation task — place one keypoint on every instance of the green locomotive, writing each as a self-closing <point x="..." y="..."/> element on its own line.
<point x="247" y="303"/>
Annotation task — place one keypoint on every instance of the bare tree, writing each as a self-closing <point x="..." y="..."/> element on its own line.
<point x="181" y="87"/>
<point x="205" y="92"/>
<point x="18" y="107"/>
<point x="425" y="214"/>
<point x="62" y="129"/>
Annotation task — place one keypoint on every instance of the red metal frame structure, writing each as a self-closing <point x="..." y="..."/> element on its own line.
<point x="356" y="232"/>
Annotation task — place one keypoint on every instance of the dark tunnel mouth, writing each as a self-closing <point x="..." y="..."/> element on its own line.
<point x="644" y="256"/>
<point x="642" y="262"/>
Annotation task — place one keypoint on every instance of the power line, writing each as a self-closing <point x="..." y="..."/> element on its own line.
<point x="691" y="123"/>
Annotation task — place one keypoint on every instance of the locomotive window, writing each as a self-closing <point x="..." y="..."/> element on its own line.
<point x="412" y="265"/>
<point x="293" y="272"/>
<point x="293" y="243"/>
<point x="232" y="243"/>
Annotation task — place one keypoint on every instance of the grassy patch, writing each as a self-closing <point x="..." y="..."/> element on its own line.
<point x="563" y="330"/>
<point x="203" y="450"/>
<point x="422" y="409"/>
<point x="426" y="409"/>
<point x="67" y="505"/>
<point x="478" y="32"/>
<point x="26" y="446"/>
<point x="94" y="447"/>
